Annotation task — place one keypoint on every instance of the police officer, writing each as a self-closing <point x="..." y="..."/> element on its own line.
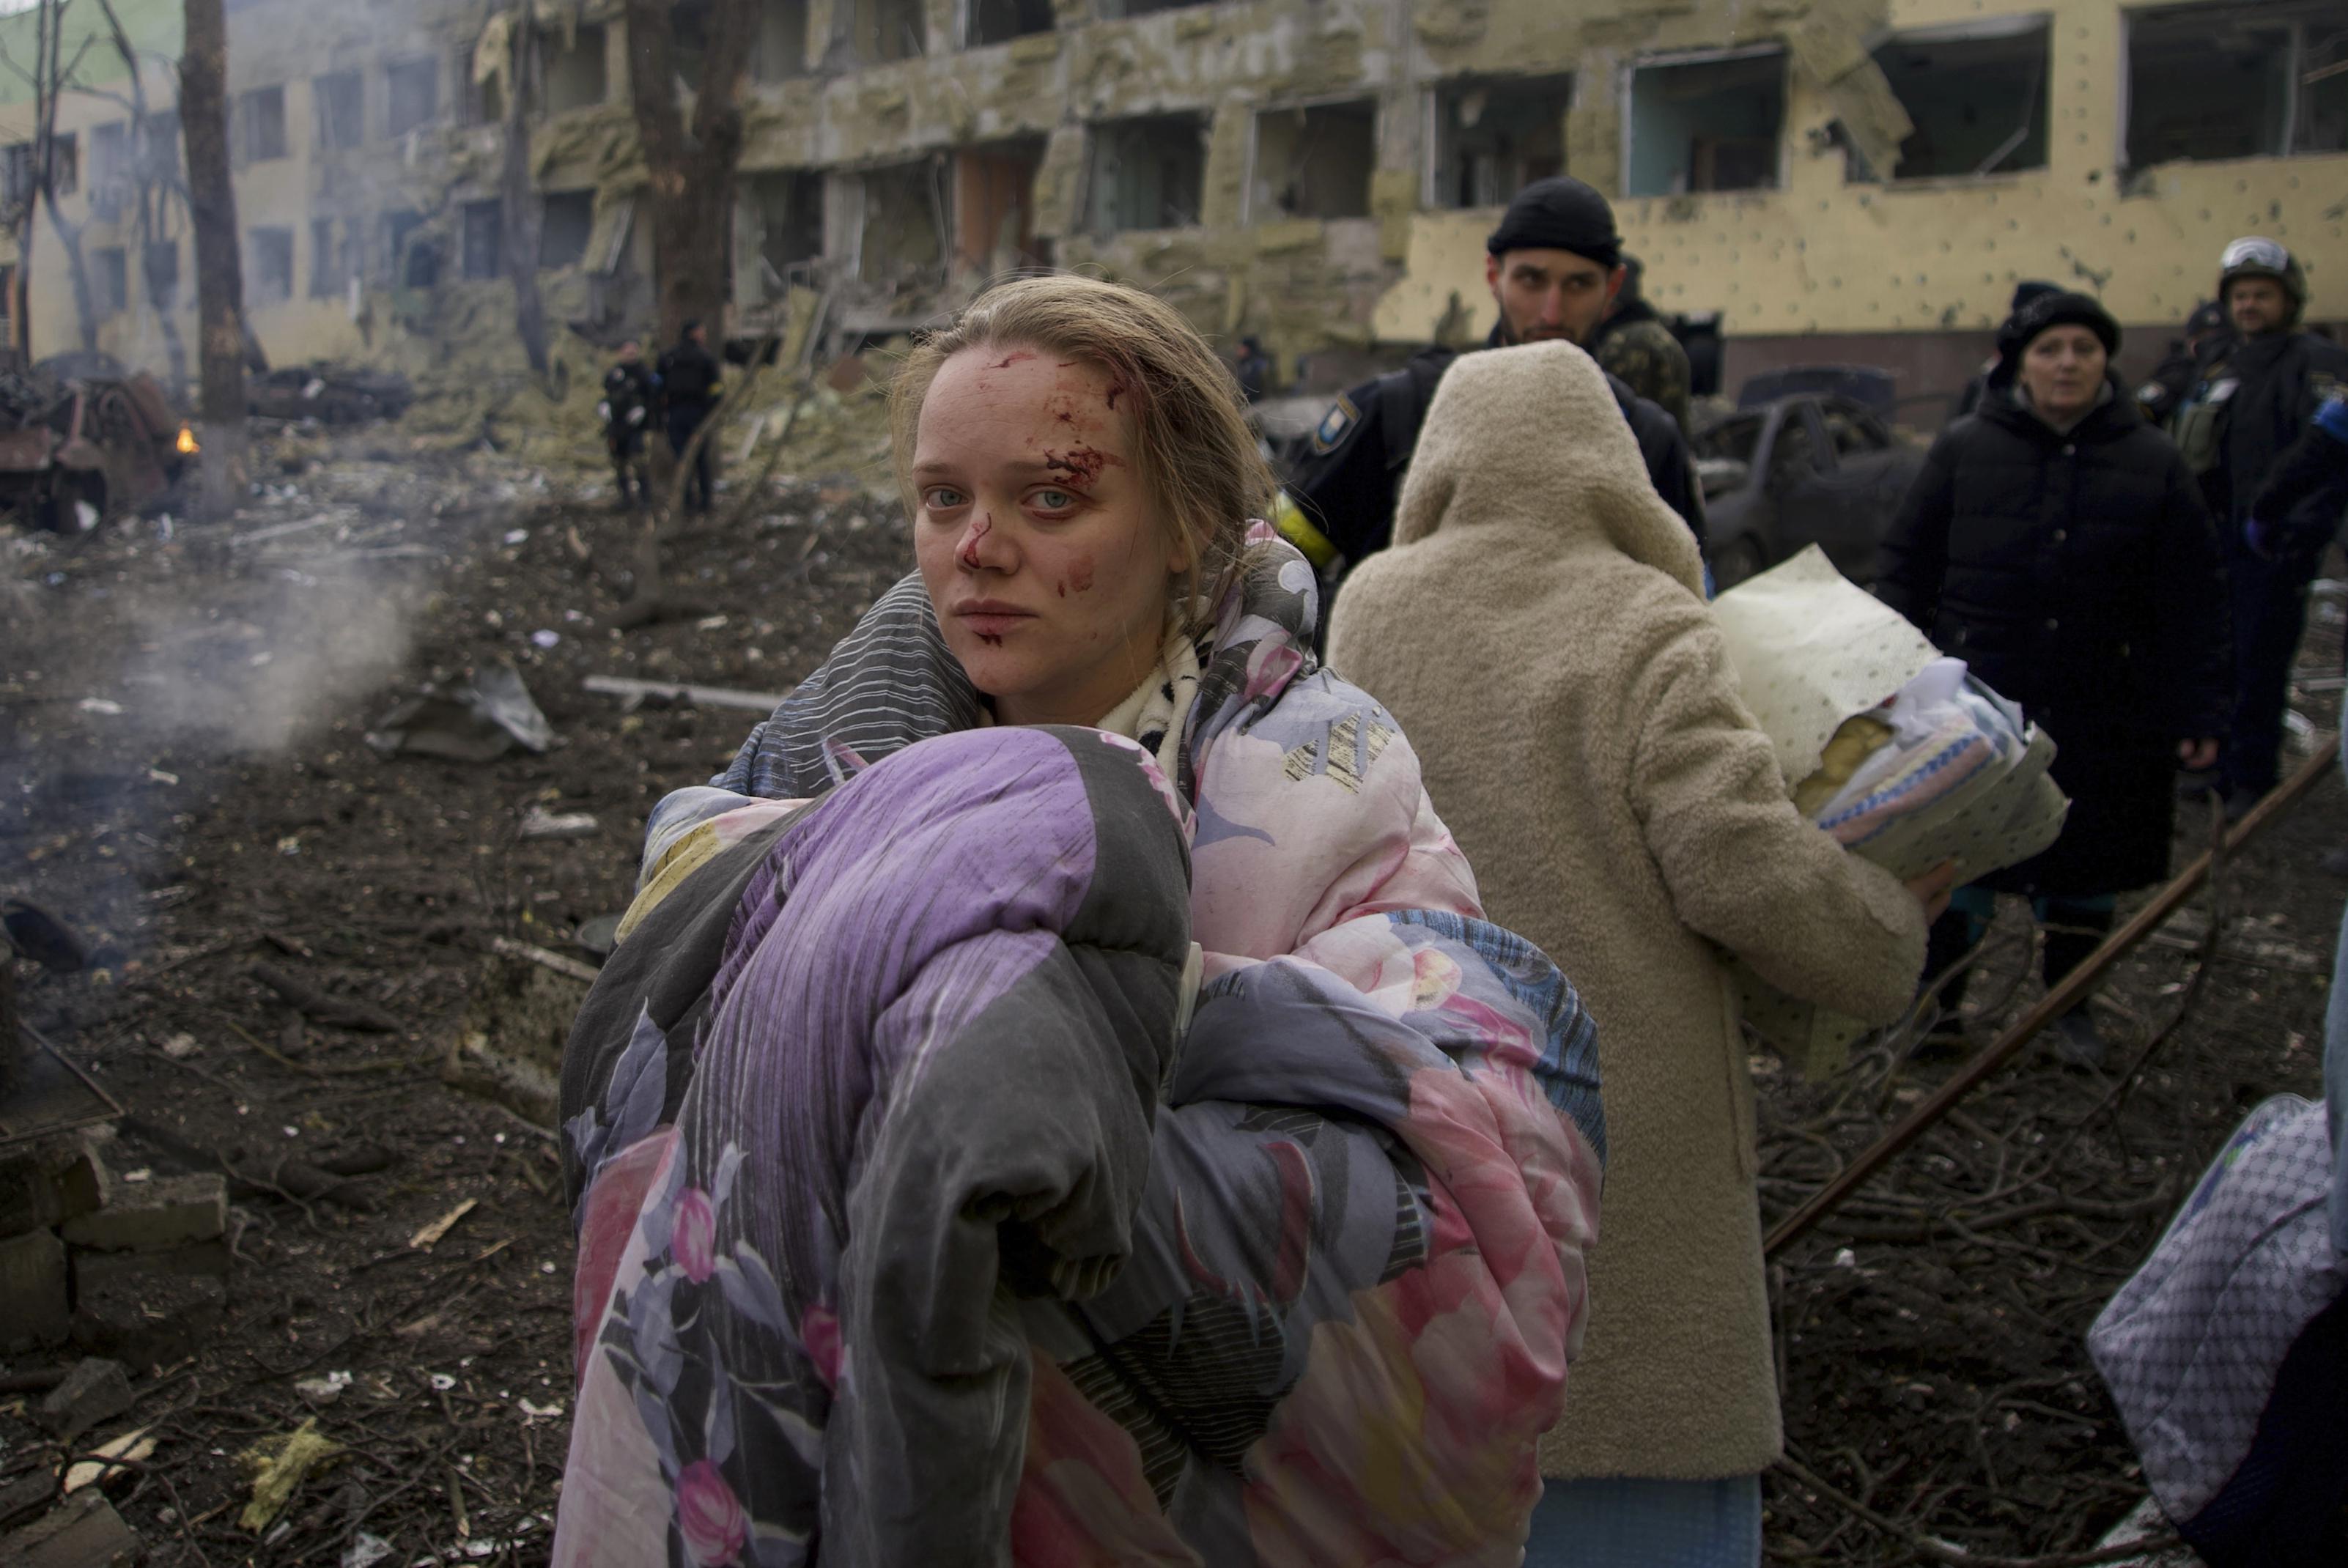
<point x="630" y="391"/>
<point x="688" y="379"/>
<point x="2253" y="399"/>
<point x="1253" y="368"/>
<point x="2207" y="333"/>
<point x="1634" y="346"/>
<point x="1554" y="264"/>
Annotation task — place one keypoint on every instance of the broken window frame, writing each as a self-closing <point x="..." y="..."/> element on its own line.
<point x="260" y="241"/>
<point x="549" y="230"/>
<point x="1437" y="109"/>
<point x="1681" y="60"/>
<point x="399" y="120"/>
<point x="2291" y="124"/>
<point x="339" y="103"/>
<point x="18" y="176"/>
<point x="789" y="34"/>
<point x="1252" y="198"/>
<point x="771" y="268"/>
<point x="170" y="290"/>
<point x="967" y="20"/>
<point x="480" y="239"/>
<point x="157" y="145"/>
<point x="478" y="103"/>
<point x="2038" y="103"/>
<point x="1125" y="10"/>
<point x="257" y="110"/>
<point x="931" y="172"/>
<point x="588" y="41"/>
<point x="109" y="282"/>
<point x="1103" y="134"/>
<point x="871" y="21"/>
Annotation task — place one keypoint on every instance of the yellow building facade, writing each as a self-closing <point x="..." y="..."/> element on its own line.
<point x="1842" y="179"/>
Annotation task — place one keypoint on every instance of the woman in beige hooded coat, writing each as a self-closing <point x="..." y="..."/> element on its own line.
<point x="1540" y="629"/>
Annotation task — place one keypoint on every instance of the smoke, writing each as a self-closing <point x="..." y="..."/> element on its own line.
<point x="258" y="682"/>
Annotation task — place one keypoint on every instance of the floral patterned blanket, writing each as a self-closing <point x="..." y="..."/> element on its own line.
<point x="918" y="1224"/>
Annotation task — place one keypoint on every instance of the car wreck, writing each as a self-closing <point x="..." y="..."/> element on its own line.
<point x="75" y="449"/>
<point x="1805" y="459"/>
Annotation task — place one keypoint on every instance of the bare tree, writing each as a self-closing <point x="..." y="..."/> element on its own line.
<point x="155" y="186"/>
<point x="519" y="195"/>
<point x="50" y="75"/>
<point x="219" y="274"/>
<point x="690" y="165"/>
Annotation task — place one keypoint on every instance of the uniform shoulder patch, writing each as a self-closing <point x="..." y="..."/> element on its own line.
<point x="1342" y="416"/>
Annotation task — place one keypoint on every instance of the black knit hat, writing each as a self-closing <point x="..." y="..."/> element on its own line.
<point x="2029" y="291"/>
<point x="1559" y="214"/>
<point x="2063" y="310"/>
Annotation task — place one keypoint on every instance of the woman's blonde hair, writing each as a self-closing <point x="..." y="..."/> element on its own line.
<point x="1194" y="455"/>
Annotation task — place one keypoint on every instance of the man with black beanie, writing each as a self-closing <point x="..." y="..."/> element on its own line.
<point x="1553" y="265"/>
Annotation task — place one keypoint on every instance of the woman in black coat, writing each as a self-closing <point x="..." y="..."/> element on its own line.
<point x="2056" y="543"/>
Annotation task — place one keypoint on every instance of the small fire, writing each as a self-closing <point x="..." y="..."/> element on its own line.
<point x="188" y="446"/>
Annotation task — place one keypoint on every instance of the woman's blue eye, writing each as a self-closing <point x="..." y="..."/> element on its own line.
<point x="944" y="498"/>
<point x="1055" y="501"/>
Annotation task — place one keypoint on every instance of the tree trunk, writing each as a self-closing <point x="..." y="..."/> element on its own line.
<point x="519" y="198"/>
<point x="690" y="170"/>
<point x="220" y="276"/>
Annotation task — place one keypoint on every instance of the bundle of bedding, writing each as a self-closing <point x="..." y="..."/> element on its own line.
<point x="1017" y="1155"/>
<point x="1943" y="769"/>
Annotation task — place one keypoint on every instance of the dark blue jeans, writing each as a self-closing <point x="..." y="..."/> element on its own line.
<point x="682" y="424"/>
<point x="2269" y="601"/>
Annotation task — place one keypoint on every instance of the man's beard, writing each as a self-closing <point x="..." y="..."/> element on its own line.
<point x="1512" y="338"/>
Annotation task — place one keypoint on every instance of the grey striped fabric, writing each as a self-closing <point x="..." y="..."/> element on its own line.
<point x="889" y="683"/>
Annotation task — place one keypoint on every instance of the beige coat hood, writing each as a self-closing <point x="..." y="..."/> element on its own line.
<point x="1538" y="631"/>
<point x="1532" y="438"/>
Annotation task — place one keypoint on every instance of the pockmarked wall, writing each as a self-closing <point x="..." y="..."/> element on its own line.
<point x="1826" y="254"/>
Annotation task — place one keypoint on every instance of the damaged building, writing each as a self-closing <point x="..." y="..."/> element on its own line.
<point x="1842" y="180"/>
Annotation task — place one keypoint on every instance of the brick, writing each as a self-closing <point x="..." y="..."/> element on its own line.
<point x="95" y="1390"/>
<point x="146" y="1320"/>
<point x="96" y="1271"/>
<point x="41" y="1182"/>
<point x="83" y="1532"/>
<point x="152" y="1214"/>
<point x="85" y="1185"/>
<point x="33" y="1300"/>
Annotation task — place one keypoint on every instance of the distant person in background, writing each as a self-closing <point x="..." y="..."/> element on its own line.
<point x="689" y="384"/>
<point x="2026" y="290"/>
<point x="2056" y="544"/>
<point x="1253" y="368"/>
<point x="2207" y="333"/>
<point x="1633" y="344"/>
<point x="630" y="391"/>
<point x="2253" y="399"/>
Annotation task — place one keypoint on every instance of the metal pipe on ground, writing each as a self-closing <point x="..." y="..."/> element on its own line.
<point x="2071" y="990"/>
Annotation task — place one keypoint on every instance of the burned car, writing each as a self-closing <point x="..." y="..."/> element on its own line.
<point x="329" y="393"/>
<point x="1807" y="468"/>
<point x="75" y="449"/>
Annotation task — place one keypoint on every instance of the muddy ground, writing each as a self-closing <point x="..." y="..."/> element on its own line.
<point x="185" y="772"/>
